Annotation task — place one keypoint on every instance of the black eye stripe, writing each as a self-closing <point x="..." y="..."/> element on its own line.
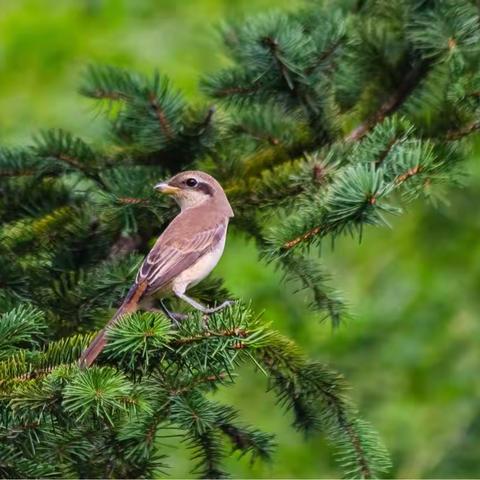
<point x="205" y="188"/>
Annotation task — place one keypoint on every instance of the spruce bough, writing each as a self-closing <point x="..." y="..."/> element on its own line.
<point x="329" y="119"/>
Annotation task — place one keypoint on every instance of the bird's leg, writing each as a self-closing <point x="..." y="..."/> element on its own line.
<point x="175" y="317"/>
<point x="199" y="306"/>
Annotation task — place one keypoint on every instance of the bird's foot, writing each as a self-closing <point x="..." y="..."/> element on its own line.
<point x="175" y="317"/>
<point x="223" y="305"/>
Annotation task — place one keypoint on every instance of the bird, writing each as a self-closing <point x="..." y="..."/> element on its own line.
<point x="183" y="255"/>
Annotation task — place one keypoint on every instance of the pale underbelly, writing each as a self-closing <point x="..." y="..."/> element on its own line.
<point x="189" y="277"/>
<point x="199" y="270"/>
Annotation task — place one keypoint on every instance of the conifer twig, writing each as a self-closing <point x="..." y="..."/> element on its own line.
<point x="392" y="103"/>
<point x="387" y="108"/>
<point x="463" y="132"/>
<point x="77" y="165"/>
<point x="225" y="92"/>
<point x="160" y="114"/>
<point x="302" y="238"/>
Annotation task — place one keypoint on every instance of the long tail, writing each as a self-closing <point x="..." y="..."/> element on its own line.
<point x="129" y="305"/>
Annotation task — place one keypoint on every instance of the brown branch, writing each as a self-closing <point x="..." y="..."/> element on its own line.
<point x="152" y="430"/>
<point x="225" y="92"/>
<point x="348" y="428"/>
<point x="273" y="46"/>
<point x="17" y="173"/>
<point x="69" y="160"/>
<point x="208" y="117"/>
<point x="325" y="54"/>
<point x="28" y="375"/>
<point x="258" y="136"/>
<point x="384" y="154"/>
<point x="319" y="173"/>
<point x="74" y="163"/>
<point x="391" y="104"/>
<point x="16" y="430"/>
<point x="356" y="443"/>
<point x="162" y="119"/>
<point x="307" y="235"/>
<point x="411" y="172"/>
<point x="333" y="399"/>
<point x="369" y="200"/>
<point x="131" y="200"/>
<point x="463" y="132"/>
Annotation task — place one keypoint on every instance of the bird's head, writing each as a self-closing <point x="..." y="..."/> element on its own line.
<point x="193" y="188"/>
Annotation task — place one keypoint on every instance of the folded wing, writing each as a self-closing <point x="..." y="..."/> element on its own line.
<point x="171" y="256"/>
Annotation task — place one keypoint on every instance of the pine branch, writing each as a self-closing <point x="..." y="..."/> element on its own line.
<point x="71" y="215"/>
<point x="315" y="280"/>
<point x="18" y="163"/>
<point x="316" y="396"/>
<point x="109" y="83"/>
<point x="388" y="158"/>
<point x="354" y="199"/>
<point x="149" y="118"/>
<point x="104" y="394"/>
<point x="21" y="326"/>
<point x="309" y="234"/>
<point x="244" y="439"/>
<point x="100" y="391"/>
<point x="469" y="129"/>
<point x="72" y="151"/>
<point x="410" y="81"/>
<point x="160" y="114"/>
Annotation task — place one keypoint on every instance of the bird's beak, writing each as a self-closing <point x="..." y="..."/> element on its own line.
<point x="166" y="188"/>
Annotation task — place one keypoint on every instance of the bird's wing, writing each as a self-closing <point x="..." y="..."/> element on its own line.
<point x="170" y="257"/>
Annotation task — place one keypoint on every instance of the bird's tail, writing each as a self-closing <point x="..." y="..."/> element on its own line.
<point x="129" y="305"/>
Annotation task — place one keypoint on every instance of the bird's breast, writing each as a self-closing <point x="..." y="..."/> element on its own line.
<point x="201" y="268"/>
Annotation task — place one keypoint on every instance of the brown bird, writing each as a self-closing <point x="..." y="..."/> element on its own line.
<point x="184" y="254"/>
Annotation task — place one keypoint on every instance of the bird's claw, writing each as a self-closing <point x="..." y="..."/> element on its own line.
<point x="225" y="304"/>
<point x="175" y="317"/>
<point x="208" y="311"/>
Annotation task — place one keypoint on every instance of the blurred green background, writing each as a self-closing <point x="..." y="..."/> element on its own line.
<point x="411" y="349"/>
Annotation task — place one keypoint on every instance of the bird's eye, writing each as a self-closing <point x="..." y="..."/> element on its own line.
<point x="191" y="182"/>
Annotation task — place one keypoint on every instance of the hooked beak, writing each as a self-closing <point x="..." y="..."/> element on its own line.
<point x="166" y="188"/>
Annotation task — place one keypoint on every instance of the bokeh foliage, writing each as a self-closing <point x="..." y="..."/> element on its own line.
<point x="409" y="351"/>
